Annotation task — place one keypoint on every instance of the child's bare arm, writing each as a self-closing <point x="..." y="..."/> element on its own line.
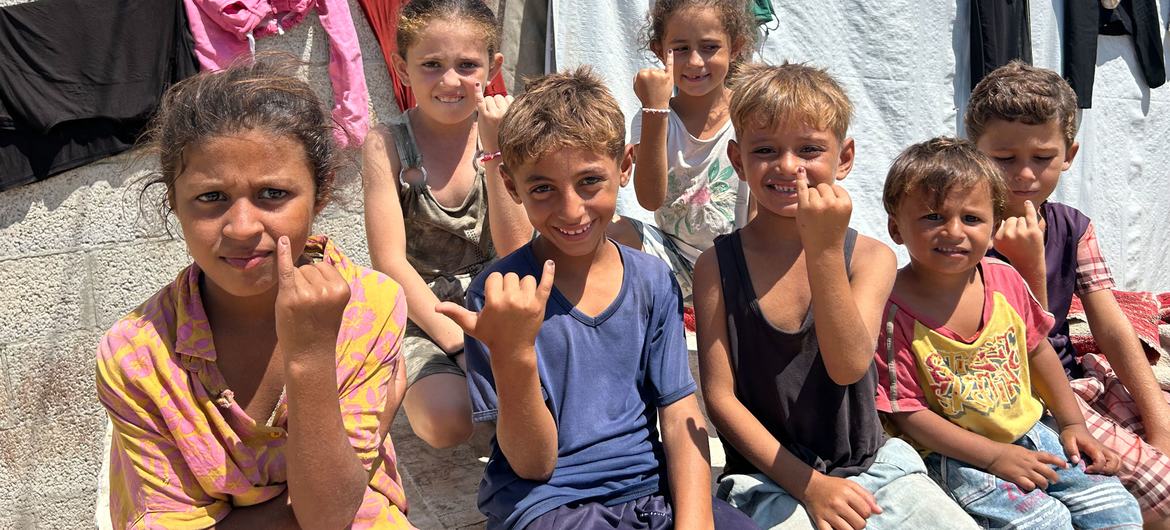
<point x="1025" y="468"/>
<point x="847" y="311"/>
<point x="1052" y="387"/>
<point x="507" y="221"/>
<point x="1118" y="341"/>
<point x="508" y="325"/>
<point x="688" y="464"/>
<point x="828" y="499"/>
<point x="653" y="87"/>
<point x="386" y="234"/>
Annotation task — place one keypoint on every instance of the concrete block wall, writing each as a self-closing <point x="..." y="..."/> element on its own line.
<point x="75" y="255"/>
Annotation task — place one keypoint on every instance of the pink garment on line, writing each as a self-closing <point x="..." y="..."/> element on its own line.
<point x="220" y="29"/>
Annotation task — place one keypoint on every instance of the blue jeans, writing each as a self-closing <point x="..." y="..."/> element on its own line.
<point x="1076" y="500"/>
<point x="897" y="479"/>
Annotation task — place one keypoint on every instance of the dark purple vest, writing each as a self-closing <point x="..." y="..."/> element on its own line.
<point x="1066" y="225"/>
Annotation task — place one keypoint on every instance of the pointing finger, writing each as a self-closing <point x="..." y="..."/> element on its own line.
<point x="670" y="63"/>
<point x="1030" y="215"/>
<point x="546" y="281"/>
<point x="802" y="191"/>
<point x="285" y="269"/>
<point x="460" y="315"/>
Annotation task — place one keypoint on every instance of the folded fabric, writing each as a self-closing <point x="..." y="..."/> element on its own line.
<point x="1150" y="316"/>
<point x="226" y="29"/>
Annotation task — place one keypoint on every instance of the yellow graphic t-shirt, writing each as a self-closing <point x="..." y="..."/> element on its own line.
<point x="981" y="383"/>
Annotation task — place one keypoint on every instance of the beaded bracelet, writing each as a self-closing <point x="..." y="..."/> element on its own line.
<point x="488" y="157"/>
<point x="655" y="111"/>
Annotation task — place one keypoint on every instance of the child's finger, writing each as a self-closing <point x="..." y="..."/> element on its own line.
<point x="802" y="191"/>
<point x="472" y="86"/>
<point x="458" y="314"/>
<point x="1054" y="460"/>
<point x="670" y="63"/>
<point x="286" y="271"/>
<point x="1000" y="231"/>
<point x="1030" y="220"/>
<point x="493" y="286"/>
<point x="546" y="281"/>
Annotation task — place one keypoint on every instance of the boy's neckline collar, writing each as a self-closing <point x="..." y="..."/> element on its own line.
<point x="559" y="297"/>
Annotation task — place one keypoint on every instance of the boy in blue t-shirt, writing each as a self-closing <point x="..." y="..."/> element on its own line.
<point x="576" y="370"/>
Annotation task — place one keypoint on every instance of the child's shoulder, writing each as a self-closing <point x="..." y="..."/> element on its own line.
<point x="869" y="252"/>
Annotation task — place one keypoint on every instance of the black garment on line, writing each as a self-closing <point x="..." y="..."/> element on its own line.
<point x="1085" y="19"/>
<point x="1000" y="31"/>
<point x="80" y="78"/>
<point x="780" y="377"/>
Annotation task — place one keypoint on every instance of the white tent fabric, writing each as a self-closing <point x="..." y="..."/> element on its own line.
<point x="905" y="66"/>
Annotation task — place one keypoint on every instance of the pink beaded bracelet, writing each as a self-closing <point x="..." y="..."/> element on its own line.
<point x="488" y="157"/>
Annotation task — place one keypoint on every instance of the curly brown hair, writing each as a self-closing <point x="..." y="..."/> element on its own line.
<point x="1019" y="92"/>
<point x="738" y="23"/>
<point x="414" y="17"/>
<point x="939" y="166"/>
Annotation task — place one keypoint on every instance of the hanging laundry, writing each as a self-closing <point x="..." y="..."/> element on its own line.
<point x="226" y="29"/>
<point x="1085" y="19"/>
<point x="383" y="18"/>
<point x="80" y="79"/>
<point x="1000" y="32"/>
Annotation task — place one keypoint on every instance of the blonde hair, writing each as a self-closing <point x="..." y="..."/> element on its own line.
<point x="939" y="166"/>
<point x="562" y="110"/>
<point x="765" y="95"/>
<point x="1018" y="92"/>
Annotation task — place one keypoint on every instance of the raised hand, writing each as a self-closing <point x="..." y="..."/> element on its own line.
<point x="655" y="86"/>
<point x="513" y="311"/>
<point x="822" y="214"/>
<point x="1026" y="468"/>
<point x="310" y="302"/>
<point x="1021" y="239"/>
<point x="491" y="112"/>
<point x="1076" y="439"/>
<point x="838" y="504"/>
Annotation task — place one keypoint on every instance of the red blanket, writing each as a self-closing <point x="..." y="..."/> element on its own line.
<point x="1149" y="314"/>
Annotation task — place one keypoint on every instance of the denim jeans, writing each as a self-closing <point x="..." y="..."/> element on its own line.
<point x="1076" y="500"/>
<point x="897" y="479"/>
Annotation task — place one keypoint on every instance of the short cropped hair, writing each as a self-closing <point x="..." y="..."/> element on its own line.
<point x="1018" y="92"/>
<point x="939" y="166"/>
<point x="765" y="95"/>
<point x="562" y="110"/>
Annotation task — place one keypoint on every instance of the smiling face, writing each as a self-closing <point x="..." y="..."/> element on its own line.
<point x="236" y="195"/>
<point x="570" y="197"/>
<point x="950" y="238"/>
<point x="768" y="159"/>
<point x="1032" y="157"/>
<point x="702" y="51"/>
<point x="442" y="67"/>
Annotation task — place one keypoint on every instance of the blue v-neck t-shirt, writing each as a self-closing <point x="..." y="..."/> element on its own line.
<point x="603" y="379"/>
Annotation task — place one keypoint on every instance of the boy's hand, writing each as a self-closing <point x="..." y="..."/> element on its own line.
<point x="838" y="504"/>
<point x="655" y="86"/>
<point x="491" y="112"/>
<point x="1026" y="468"/>
<point x="513" y="311"/>
<point x="310" y="302"/>
<point x="1021" y="239"/>
<point x="822" y="214"/>
<point x="1076" y="440"/>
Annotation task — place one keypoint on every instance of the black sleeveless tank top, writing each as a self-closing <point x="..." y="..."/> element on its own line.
<point x="781" y="378"/>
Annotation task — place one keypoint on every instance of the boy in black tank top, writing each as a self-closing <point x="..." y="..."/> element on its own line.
<point x="793" y="400"/>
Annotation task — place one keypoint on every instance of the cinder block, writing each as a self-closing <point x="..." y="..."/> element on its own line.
<point x="52" y="379"/>
<point x="125" y="276"/>
<point x="113" y="211"/>
<point x="43" y="296"/>
<point x="348" y="231"/>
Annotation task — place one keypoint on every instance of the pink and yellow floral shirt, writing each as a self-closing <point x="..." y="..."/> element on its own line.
<point x="184" y="453"/>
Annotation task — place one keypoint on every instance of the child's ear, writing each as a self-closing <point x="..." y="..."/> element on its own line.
<point x="733" y="157"/>
<point x="1069" y="155"/>
<point x="509" y="184"/>
<point x="400" y="67"/>
<point x="626" y="165"/>
<point x="845" y="159"/>
<point x="497" y="62"/>
<point x="892" y="226"/>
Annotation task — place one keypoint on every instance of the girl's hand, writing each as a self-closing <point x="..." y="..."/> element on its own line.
<point x="1026" y="468"/>
<point x="310" y="302"/>
<point x="655" y="86"/>
<point x="491" y="112"/>
<point x="513" y="312"/>
<point x="822" y="214"/>
<point x="1021" y="239"/>
<point x="838" y="504"/>
<point x="1076" y="440"/>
